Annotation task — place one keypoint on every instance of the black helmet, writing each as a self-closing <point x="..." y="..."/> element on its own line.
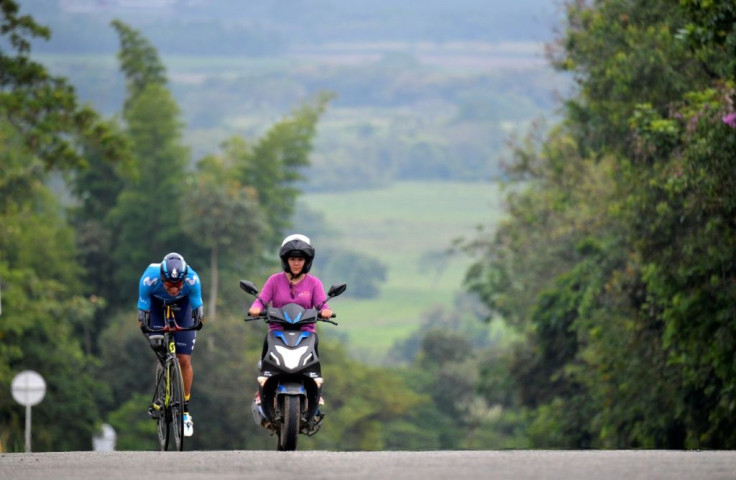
<point x="173" y="268"/>
<point x="296" y="246"/>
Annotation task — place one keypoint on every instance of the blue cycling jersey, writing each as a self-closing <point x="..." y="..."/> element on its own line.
<point x="151" y="286"/>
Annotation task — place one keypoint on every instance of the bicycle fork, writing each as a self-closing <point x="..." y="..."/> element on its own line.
<point x="165" y="402"/>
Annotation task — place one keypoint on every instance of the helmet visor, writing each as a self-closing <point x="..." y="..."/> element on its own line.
<point x="173" y="284"/>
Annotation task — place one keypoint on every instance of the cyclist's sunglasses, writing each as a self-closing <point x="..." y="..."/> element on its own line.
<point x="173" y="284"/>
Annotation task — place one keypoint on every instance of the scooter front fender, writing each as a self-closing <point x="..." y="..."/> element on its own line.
<point x="291" y="388"/>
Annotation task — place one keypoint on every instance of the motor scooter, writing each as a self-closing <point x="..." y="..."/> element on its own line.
<point x="290" y="379"/>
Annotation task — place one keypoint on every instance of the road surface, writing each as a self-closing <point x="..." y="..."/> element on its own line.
<point x="307" y="465"/>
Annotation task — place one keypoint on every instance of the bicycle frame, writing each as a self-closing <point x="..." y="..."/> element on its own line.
<point x="170" y="343"/>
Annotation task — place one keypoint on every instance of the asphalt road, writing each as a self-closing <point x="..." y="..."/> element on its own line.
<point x="452" y="465"/>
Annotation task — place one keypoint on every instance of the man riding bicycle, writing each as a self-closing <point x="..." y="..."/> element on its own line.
<point x="173" y="282"/>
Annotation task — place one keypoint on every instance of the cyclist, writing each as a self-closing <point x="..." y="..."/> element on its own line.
<point x="294" y="284"/>
<point x="173" y="280"/>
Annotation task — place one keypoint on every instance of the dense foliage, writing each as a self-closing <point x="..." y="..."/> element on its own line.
<point x="44" y="132"/>
<point x="617" y="260"/>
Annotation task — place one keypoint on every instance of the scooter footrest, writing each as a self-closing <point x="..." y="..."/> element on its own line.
<point x="313" y="425"/>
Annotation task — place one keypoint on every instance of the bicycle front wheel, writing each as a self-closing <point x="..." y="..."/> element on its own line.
<point x="176" y="404"/>
<point x="162" y="421"/>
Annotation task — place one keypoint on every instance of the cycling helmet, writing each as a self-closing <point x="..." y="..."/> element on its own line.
<point x="173" y="268"/>
<point x="296" y="246"/>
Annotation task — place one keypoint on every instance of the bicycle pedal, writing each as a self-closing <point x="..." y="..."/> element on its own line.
<point x="155" y="410"/>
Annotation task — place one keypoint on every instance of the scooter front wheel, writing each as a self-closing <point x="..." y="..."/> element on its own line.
<point x="290" y="409"/>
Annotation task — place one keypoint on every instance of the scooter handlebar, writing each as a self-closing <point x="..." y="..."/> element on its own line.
<point x="260" y="316"/>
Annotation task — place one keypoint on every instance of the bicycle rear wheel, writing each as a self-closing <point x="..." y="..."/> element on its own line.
<point x="176" y="405"/>
<point x="162" y="421"/>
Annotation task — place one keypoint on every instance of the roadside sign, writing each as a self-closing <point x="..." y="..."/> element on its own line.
<point x="28" y="388"/>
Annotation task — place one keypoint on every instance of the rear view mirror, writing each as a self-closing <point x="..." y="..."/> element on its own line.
<point x="249" y="287"/>
<point x="336" y="290"/>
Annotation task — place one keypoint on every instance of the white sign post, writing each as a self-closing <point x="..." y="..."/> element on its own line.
<point x="28" y="388"/>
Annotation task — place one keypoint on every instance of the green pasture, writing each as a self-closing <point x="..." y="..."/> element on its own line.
<point x="409" y="227"/>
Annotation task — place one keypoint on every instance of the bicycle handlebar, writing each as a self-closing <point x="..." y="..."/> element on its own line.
<point x="172" y="327"/>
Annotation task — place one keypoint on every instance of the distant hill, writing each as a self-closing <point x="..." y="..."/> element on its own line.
<point x="225" y="27"/>
<point x="424" y="89"/>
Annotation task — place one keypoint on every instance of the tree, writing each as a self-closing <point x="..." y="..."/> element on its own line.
<point x="686" y="257"/>
<point x="225" y="218"/>
<point x="42" y="306"/>
<point x="44" y="108"/>
<point x="43" y="131"/>
<point x="711" y="33"/>
<point x="139" y="62"/>
<point x="246" y="198"/>
<point x="274" y="165"/>
<point x="617" y="262"/>
<point x="146" y="220"/>
<point x="96" y="189"/>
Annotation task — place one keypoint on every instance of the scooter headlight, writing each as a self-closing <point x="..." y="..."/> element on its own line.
<point x="291" y="356"/>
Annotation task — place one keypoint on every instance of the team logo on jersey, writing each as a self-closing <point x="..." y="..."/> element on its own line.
<point x="148" y="281"/>
<point x="193" y="280"/>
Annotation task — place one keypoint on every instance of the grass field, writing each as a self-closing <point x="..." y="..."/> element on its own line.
<point x="408" y="227"/>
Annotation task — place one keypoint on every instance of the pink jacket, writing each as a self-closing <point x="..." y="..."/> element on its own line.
<point x="279" y="291"/>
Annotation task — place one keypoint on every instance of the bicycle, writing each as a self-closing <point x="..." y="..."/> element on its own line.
<point x="168" y="396"/>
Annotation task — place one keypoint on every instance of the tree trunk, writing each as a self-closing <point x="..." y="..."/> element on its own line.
<point x="213" y="283"/>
